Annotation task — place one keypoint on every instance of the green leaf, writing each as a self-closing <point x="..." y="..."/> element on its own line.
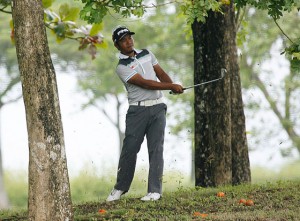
<point x="296" y="55"/>
<point x="295" y="65"/>
<point x="5" y="2"/>
<point x="94" y="11"/>
<point x="102" y="45"/>
<point x="47" y="3"/>
<point x="68" y="13"/>
<point x="275" y="7"/>
<point x="139" y="11"/>
<point x="11" y="24"/>
<point x="96" y="28"/>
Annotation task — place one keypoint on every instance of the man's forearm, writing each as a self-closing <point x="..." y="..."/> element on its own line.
<point x="162" y="75"/>
<point x="165" y="78"/>
<point x="155" y="85"/>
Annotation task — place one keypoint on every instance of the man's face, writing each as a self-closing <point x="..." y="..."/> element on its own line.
<point x="126" y="44"/>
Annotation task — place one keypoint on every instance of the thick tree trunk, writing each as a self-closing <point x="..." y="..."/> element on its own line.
<point x="212" y="104"/>
<point x="49" y="189"/>
<point x="220" y="146"/>
<point x="240" y="158"/>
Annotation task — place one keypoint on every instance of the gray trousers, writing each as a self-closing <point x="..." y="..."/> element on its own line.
<point x="140" y="122"/>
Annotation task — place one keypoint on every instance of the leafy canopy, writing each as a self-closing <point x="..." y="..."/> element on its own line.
<point x="275" y="8"/>
<point x="94" y="11"/>
<point x="63" y="24"/>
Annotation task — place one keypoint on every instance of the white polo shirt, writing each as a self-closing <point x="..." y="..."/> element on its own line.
<point x="142" y="63"/>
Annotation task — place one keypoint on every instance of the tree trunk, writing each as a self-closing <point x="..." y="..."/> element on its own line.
<point x="240" y="158"/>
<point x="49" y="190"/>
<point x="212" y="104"/>
<point x="220" y="147"/>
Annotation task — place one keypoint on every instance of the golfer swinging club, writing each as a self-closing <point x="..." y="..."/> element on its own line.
<point x="146" y="115"/>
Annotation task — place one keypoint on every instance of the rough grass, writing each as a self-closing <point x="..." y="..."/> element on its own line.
<point x="272" y="201"/>
<point x="91" y="186"/>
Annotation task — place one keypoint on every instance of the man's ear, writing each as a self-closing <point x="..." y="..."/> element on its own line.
<point x="117" y="45"/>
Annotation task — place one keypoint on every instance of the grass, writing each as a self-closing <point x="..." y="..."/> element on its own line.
<point x="274" y="198"/>
<point x="272" y="201"/>
<point x="88" y="186"/>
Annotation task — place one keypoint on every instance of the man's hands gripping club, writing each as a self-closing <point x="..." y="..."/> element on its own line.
<point x="177" y="89"/>
<point x="138" y="80"/>
<point x="164" y="83"/>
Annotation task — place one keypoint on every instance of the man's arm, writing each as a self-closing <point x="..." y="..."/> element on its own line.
<point x="138" y="80"/>
<point x="161" y="74"/>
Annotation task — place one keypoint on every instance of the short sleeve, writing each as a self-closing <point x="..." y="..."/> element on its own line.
<point x="153" y="59"/>
<point x="125" y="72"/>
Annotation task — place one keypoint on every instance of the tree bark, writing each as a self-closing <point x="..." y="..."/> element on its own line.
<point x="212" y="104"/>
<point x="49" y="190"/>
<point x="220" y="148"/>
<point x="240" y="158"/>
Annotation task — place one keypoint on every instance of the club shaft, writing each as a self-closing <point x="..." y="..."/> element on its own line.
<point x="196" y="85"/>
<point x="223" y="72"/>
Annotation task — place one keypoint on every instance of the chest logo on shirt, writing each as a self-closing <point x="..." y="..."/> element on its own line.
<point x="133" y="65"/>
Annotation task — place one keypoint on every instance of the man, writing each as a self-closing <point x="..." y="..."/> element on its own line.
<point x="146" y="116"/>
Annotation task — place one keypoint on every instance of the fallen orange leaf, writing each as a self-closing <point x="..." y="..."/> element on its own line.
<point x="221" y="194"/>
<point x="101" y="211"/>
<point x="203" y="215"/>
<point x="242" y="201"/>
<point x="196" y="214"/>
<point x="249" y="203"/>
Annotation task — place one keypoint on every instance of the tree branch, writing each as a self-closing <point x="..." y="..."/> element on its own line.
<point x="152" y="5"/>
<point x="161" y="4"/>
<point x="285" y="122"/>
<point x="12" y="83"/>
<point x="101" y="109"/>
<point x="270" y="100"/>
<point x="4" y="11"/>
<point x="282" y="31"/>
<point x="68" y="37"/>
<point x="11" y="100"/>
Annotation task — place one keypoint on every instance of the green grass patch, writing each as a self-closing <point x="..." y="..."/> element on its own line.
<point x="13" y="215"/>
<point x="16" y="185"/>
<point x="288" y="172"/>
<point x="272" y="201"/>
<point x="275" y="194"/>
<point x="89" y="186"/>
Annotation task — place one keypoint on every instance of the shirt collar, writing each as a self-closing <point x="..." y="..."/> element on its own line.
<point x="123" y="56"/>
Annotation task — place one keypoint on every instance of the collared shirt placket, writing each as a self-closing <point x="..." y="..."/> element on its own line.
<point x="140" y="64"/>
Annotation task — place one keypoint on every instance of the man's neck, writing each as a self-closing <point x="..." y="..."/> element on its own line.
<point x="130" y="54"/>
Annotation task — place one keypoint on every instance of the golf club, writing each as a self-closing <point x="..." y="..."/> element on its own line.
<point x="223" y="73"/>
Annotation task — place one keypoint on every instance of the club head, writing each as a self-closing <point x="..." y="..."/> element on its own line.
<point x="223" y="72"/>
